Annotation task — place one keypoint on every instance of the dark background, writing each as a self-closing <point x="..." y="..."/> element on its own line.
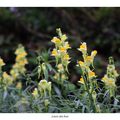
<point x="35" y="27"/>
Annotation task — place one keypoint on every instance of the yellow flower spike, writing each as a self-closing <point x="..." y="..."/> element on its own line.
<point x="20" y="62"/>
<point x="1" y="62"/>
<point x="54" y="52"/>
<point x="56" y="40"/>
<point x="83" y="47"/>
<point x="81" y="80"/>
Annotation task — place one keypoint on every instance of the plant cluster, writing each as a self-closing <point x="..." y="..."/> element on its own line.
<point x="47" y="88"/>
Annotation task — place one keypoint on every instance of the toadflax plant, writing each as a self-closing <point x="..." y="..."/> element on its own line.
<point x="20" y="62"/>
<point x="110" y="78"/>
<point x="60" y="52"/>
<point x="88" y="77"/>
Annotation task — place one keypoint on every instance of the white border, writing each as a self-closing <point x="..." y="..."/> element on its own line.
<point x="60" y="116"/>
<point x="60" y="3"/>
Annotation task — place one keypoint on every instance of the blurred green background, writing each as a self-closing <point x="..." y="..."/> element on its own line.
<point x="35" y="27"/>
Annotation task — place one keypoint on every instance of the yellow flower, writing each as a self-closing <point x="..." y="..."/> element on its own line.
<point x="1" y="62"/>
<point x="21" y="56"/>
<point x="108" y="81"/>
<point x="91" y="74"/>
<point x="56" y="76"/>
<point x="63" y="77"/>
<point x="83" y="47"/>
<point x="20" y="50"/>
<point x="46" y="102"/>
<point x="67" y="46"/>
<point x="7" y="78"/>
<point x="81" y="63"/>
<point x="44" y="87"/>
<point x="56" y="40"/>
<point x="14" y="74"/>
<point x="19" y="85"/>
<point x="88" y="58"/>
<point x="81" y="80"/>
<point x="35" y="92"/>
<point x="63" y="37"/>
<point x="66" y="57"/>
<point x="105" y="78"/>
<point x="54" y="52"/>
<point x="62" y="49"/>
<point x="22" y="63"/>
<point x="60" y="67"/>
<point x="93" y="54"/>
<point x="43" y="84"/>
<point x="25" y="61"/>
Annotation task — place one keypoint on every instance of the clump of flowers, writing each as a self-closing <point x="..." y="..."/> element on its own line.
<point x="60" y="52"/>
<point x="110" y="77"/>
<point x="86" y="64"/>
<point x="20" y="62"/>
<point x="88" y="75"/>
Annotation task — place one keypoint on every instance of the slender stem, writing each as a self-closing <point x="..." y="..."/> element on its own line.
<point x="92" y="104"/>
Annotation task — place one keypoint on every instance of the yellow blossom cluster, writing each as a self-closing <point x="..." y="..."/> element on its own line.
<point x="44" y="88"/>
<point x="61" y="48"/>
<point x="5" y="78"/>
<point x="110" y="77"/>
<point x="60" y="52"/>
<point x="20" y="62"/>
<point x="86" y="63"/>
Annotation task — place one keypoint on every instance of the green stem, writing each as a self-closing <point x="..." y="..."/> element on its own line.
<point x="92" y="104"/>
